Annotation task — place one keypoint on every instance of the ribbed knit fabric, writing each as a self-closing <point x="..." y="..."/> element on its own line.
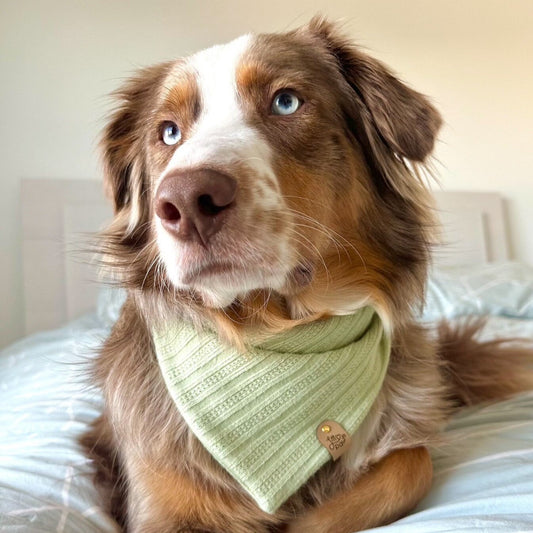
<point x="257" y="413"/>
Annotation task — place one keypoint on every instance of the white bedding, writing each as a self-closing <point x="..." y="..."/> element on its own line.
<point x="483" y="479"/>
<point x="45" y="483"/>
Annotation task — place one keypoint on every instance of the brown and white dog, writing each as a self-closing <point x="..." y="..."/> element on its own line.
<point x="260" y="184"/>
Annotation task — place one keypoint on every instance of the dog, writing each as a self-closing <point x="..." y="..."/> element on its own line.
<point x="271" y="183"/>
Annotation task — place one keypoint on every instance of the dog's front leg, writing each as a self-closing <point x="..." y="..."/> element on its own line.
<point x="159" y="500"/>
<point x="164" y="500"/>
<point x="388" y="491"/>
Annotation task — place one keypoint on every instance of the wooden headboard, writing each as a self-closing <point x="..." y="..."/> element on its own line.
<point x="58" y="214"/>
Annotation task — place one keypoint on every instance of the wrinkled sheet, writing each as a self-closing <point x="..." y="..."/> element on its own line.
<point x="45" y="480"/>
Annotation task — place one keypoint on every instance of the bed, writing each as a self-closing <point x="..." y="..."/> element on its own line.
<point x="483" y="475"/>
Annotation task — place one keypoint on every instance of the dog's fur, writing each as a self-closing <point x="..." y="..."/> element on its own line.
<point x="330" y="214"/>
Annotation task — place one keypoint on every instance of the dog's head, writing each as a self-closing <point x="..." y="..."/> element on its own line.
<point x="277" y="171"/>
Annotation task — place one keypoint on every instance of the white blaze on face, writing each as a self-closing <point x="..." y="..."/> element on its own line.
<point x="221" y="136"/>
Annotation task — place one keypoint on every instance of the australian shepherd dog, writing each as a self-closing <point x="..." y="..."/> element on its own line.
<point x="271" y="182"/>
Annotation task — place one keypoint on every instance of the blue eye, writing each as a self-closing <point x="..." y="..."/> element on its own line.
<point x="170" y="133"/>
<point x="286" y="103"/>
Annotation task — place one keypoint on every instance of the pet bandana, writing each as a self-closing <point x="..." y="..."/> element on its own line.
<point x="274" y="415"/>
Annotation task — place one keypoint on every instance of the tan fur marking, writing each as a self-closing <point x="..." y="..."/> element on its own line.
<point x="390" y="489"/>
<point x="182" y="102"/>
<point x="176" y="498"/>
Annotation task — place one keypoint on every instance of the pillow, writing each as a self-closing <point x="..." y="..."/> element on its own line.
<point x="109" y="303"/>
<point x="504" y="289"/>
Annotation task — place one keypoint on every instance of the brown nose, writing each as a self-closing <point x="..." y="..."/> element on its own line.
<point x="193" y="204"/>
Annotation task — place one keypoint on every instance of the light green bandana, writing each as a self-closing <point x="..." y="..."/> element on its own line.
<point x="259" y="413"/>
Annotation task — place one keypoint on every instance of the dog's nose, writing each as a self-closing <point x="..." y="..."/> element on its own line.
<point x="193" y="204"/>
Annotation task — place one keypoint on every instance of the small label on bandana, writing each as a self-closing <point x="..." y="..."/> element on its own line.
<point x="333" y="437"/>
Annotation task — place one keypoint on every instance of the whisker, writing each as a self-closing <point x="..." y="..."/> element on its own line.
<point x="319" y="254"/>
<point x="154" y="262"/>
<point x="333" y="235"/>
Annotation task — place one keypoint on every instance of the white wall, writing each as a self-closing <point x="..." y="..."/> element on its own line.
<point x="59" y="58"/>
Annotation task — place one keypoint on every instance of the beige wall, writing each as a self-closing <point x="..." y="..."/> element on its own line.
<point x="58" y="60"/>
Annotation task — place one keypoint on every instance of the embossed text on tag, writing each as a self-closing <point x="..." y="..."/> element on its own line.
<point x="333" y="437"/>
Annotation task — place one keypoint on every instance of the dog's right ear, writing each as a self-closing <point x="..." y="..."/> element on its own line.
<point x="123" y="139"/>
<point x="402" y="118"/>
<point x="392" y="122"/>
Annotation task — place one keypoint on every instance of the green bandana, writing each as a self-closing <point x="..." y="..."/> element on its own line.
<point x="257" y="413"/>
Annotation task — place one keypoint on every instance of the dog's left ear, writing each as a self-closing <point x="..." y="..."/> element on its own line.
<point x="122" y="139"/>
<point x="403" y="118"/>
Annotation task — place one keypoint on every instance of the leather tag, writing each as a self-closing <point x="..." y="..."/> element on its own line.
<point x="333" y="437"/>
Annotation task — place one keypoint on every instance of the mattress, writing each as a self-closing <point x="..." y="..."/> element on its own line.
<point x="483" y="474"/>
